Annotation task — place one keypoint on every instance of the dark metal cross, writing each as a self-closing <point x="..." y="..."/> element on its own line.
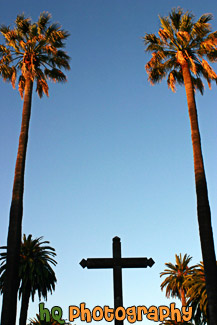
<point x="117" y="263"/>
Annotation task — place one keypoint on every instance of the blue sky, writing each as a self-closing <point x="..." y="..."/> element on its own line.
<point x="108" y="154"/>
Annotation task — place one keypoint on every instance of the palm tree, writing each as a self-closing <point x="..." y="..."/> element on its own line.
<point x="34" y="52"/>
<point x="178" y="52"/>
<point x="177" y="274"/>
<point x="35" y="272"/>
<point x="196" y="293"/>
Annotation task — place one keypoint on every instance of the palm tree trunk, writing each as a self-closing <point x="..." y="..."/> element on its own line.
<point x="183" y="299"/>
<point x="203" y="208"/>
<point x="25" y="304"/>
<point x="9" y="305"/>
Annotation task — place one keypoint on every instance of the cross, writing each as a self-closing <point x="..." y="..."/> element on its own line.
<point x="117" y="263"/>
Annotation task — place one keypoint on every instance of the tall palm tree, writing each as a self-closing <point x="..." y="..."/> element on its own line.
<point x="177" y="274"/>
<point x="32" y="53"/>
<point x="35" y="272"/>
<point x="178" y="52"/>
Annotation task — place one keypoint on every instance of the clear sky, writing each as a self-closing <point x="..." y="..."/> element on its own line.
<point x="108" y="154"/>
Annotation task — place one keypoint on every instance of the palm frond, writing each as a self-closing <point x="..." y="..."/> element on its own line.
<point x="4" y="29"/>
<point x="202" y="28"/>
<point x="155" y="69"/>
<point x="198" y="84"/>
<point x="21" y="85"/>
<point x="55" y="75"/>
<point x="42" y="87"/>
<point x="165" y="23"/>
<point x="175" y="18"/>
<point x="13" y="77"/>
<point x="209" y="45"/>
<point x="205" y="18"/>
<point x="174" y="77"/>
<point x="187" y="22"/>
<point x="23" y="25"/>
<point x="43" y="21"/>
<point x="33" y="31"/>
<point x="210" y="72"/>
<point x="59" y="62"/>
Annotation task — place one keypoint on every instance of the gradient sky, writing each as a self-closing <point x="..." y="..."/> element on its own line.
<point x="108" y="154"/>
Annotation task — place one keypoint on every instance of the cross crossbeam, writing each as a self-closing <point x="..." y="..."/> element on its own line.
<point x="108" y="263"/>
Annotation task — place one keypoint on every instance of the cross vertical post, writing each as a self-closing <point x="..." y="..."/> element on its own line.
<point x="117" y="276"/>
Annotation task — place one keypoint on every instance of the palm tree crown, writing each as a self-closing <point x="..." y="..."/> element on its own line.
<point x="182" y="40"/>
<point x="34" y="51"/>
<point x="35" y="260"/>
<point x="197" y="295"/>
<point x="35" y="271"/>
<point x="177" y="274"/>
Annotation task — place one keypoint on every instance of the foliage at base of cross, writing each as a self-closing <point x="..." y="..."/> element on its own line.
<point x="38" y="321"/>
